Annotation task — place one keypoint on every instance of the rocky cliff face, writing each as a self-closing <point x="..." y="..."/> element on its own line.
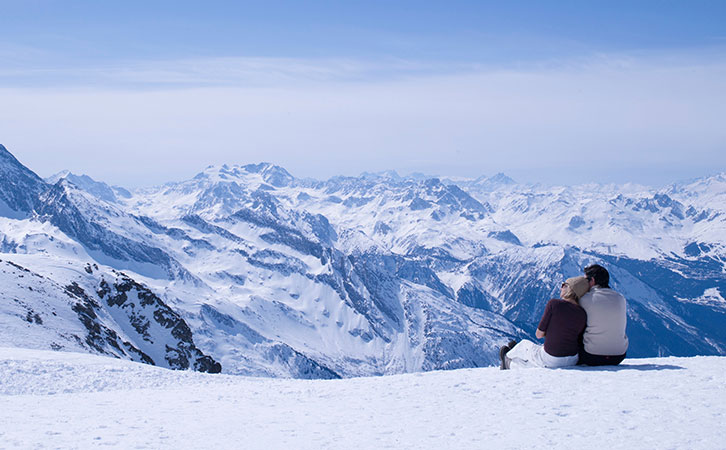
<point x="99" y="311"/>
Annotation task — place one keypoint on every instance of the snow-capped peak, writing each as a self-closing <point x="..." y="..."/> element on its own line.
<point x="263" y="172"/>
<point x="387" y="174"/>
<point x="53" y="179"/>
<point x="88" y="184"/>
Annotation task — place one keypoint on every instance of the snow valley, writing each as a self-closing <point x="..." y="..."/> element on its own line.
<point x="248" y="270"/>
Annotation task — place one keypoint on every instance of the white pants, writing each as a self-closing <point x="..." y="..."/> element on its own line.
<point x="528" y="354"/>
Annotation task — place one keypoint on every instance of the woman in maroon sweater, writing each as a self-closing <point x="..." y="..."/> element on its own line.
<point x="561" y="325"/>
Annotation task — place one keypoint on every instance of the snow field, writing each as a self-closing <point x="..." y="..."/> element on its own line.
<point x="67" y="400"/>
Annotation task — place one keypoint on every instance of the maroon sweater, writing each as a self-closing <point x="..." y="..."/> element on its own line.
<point x="563" y="323"/>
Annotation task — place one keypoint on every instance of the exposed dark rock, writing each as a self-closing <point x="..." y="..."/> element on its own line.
<point x="576" y="222"/>
<point x="142" y="308"/>
<point x="206" y="227"/>
<point x="505" y="236"/>
<point x="174" y="233"/>
<point x="381" y="228"/>
<point x="33" y="317"/>
<point x="300" y="365"/>
<point x="100" y="337"/>
<point x="418" y="204"/>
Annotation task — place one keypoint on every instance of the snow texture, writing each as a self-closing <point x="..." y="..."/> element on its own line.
<point x="71" y="400"/>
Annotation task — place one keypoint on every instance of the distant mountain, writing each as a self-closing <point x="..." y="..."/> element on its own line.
<point x="485" y="183"/>
<point x="88" y="184"/>
<point x="283" y="277"/>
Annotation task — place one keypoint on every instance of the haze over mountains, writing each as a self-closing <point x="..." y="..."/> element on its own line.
<point x="252" y="271"/>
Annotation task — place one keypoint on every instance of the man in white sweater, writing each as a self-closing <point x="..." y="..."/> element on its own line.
<point x="604" y="340"/>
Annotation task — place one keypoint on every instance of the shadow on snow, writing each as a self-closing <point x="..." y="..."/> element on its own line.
<point x="627" y="367"/>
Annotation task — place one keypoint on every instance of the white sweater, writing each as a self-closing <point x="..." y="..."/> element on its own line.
<point x="606" y="321"/>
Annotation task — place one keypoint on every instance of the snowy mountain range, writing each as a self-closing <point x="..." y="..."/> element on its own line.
<point x="252" y="271"/>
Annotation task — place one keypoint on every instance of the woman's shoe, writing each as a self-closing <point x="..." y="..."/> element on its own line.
<point x="503" y="354"/>
<point x="503" y="357"/>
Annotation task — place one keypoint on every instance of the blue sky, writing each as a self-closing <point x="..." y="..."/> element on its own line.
<point x="139" y="93"/>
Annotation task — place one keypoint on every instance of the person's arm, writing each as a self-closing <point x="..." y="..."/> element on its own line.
<point x="544" y="322"/>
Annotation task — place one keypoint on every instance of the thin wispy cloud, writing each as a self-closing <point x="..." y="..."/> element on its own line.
<point x="31" y="67"/>
<point x="633" y="115"/>
<point x="221" y="71"/>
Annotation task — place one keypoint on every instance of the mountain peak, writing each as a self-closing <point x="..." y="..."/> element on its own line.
<point x="709" y="186"/>
<point x="19" y="186"/>
<point x="7" y="157"/>
<point x="10" y="164"/>
<point x="53" y="179"/>
<point x="386" y="174"/>
<point x="497" y="180"/>
<point x="501" y="178"/>
<point x="270" y="173"/>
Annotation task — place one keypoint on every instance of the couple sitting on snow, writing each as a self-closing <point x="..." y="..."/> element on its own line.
<point x="586" y="326"/>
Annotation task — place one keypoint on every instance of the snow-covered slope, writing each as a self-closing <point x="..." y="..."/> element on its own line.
<point x="92" y="309"/>
<point x="66" y="400"/>
<point x="379" y="274"/>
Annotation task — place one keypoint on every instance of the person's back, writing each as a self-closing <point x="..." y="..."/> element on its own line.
<point x="604" y="339"/>
<point x="606" y="322"/>
<point x="562" y="322"/>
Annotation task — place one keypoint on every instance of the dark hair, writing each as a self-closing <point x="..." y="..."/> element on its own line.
<point x="599" y="274"/>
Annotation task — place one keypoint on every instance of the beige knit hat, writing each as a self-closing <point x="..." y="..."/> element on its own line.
<point x="578" y="285"/>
